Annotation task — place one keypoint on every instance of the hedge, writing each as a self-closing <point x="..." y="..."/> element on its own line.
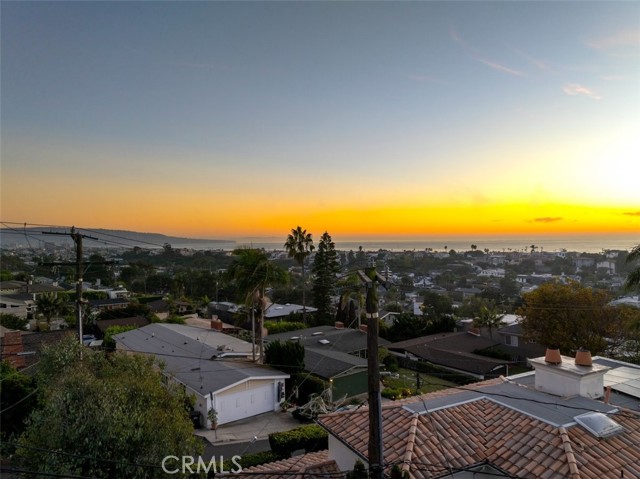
<point x="311" y="438"/>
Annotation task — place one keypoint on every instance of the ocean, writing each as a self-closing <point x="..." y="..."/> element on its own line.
<point x="551" y="243"/>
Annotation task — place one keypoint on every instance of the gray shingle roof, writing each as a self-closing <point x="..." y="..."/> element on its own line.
<point x="190" y="360"/>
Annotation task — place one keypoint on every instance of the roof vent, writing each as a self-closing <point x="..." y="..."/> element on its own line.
<point x="552" y="356"/>
<point x="598" y="424"/>
<point x="583" y="358"/>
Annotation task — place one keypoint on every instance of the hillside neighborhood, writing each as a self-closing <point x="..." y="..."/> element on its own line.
<point x="471" y="385"/>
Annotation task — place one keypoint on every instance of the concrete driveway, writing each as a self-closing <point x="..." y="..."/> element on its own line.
<point x="250" y="429"/>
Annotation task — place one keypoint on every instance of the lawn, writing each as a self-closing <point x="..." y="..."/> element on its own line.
<point x="407" y="379"/>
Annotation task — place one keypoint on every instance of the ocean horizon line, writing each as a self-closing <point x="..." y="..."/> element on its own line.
<point x="587" y="243"/>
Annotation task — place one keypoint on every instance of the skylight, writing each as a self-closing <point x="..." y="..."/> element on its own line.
<point x="324" y="341"/>
<point x="598" y="424"/>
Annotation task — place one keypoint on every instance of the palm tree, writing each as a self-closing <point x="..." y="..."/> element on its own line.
<point x="633" y="279"/>
<point x="488" y="318"/>
<point x="253" y="272"/>
<point x="51" y="305"/>
<point x="299" y="245"/>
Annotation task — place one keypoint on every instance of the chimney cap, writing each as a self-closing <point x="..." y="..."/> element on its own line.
<point x="552" y="355"/>
<point x="583" y="358"/>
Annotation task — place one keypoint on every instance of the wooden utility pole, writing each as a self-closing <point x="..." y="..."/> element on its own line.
<point x="77" y="239"/>
<point x="371" y="278"/>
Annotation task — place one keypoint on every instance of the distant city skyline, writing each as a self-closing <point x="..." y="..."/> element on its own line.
<point x="364" y="119"/>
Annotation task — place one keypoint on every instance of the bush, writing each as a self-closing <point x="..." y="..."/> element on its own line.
<point x="282" y="326"/>
<point x="307" y="385"/>
<point x="250" y="460"/>
<point x="311" y="438"/>
<point x="11" y="321"/>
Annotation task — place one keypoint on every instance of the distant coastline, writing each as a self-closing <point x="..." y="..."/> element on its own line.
<point x="581" y="243"/>
<point x="502" y="243"/>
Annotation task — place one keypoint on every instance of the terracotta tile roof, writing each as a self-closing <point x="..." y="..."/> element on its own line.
<point x="484" y="430"/>
<point x="313" y="464"/>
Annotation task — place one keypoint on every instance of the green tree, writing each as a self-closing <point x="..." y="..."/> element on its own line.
<point x="569" y="316"/>
<point x="111" y="331"/>
<point x="325" y="268"/>
<point x="52" y="305"/>
<point x="488" y="317"/>
<point x="633" y="278"/>
<point x="288" y="356"/>
<point x="111" y="416"/>
<point x="11" y="321"/>
<point x="252" y="272"/>
<point x="299" y="245"/>
<point x="18" y="399"/>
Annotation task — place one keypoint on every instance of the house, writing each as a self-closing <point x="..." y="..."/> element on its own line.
<point x="453" y="351"/>
<point x="345" y="374"/>
<point x="22" y="348"/>
<point x="310" y="466"/>
<point x="335" y="338"/>
<point x="556" y="422"/>
<point x="99" y="305"/>
<point x="212" y="366"/>
<point x="280" y="312"/>
<point x="513" y="342"/>
<point x="335" y="354"/>
<point x="609" y="266"/>
<point x="19" y="298"/>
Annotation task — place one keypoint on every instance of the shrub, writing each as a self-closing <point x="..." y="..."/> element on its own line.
<point x="282" y="326"/>
<point x="311" y="438"/>
<point x="250" y="460"/>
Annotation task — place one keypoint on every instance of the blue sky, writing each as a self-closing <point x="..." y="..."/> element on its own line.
<point x="189" y="117"/>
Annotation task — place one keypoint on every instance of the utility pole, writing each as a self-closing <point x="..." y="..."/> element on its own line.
<point x="77" y="239"/>
<point x="376" y="454"/>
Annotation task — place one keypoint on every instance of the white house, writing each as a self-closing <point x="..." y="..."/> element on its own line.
<point x="200" y="361"/>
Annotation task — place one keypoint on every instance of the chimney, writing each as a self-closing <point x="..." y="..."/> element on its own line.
<point x="363" y="328"/>
<point x="339" y="325"/>
<point x="552" y="356"/>
<point x="11" y="347"/>
<point x="563" y="376"/>
<point x="583" y="357"/>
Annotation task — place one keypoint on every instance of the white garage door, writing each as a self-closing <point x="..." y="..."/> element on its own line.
<point x="239" y="405"/>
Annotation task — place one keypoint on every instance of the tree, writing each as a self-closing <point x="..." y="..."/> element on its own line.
<point x="288" y="356"/>
<point x="633" y="278"/>
<point x="11" y="321"/>
<point x="52" y="305"/>
<point x="299" y="245"/>
<point x="569" y="317"/>
<point x="488" y="317"/>
<point x="17" y="398"/>
<point x="111" y="416"/>
<point x="325" y="268"/>
<point x="253" y="272"/>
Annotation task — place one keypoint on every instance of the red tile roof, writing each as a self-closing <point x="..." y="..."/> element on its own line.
<point x="484" y="431"/>
<point x="308" y="466"/>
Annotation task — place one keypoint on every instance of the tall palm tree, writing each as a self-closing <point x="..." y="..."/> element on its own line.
<point x="299" y="245"/>
<point x="633" y="279"/>
<point x="253" y="273"/>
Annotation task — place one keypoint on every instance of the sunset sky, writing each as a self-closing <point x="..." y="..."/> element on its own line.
<point x="387" y="119"/>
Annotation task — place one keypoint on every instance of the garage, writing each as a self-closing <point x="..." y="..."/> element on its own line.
<point x="250" y="400"/>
